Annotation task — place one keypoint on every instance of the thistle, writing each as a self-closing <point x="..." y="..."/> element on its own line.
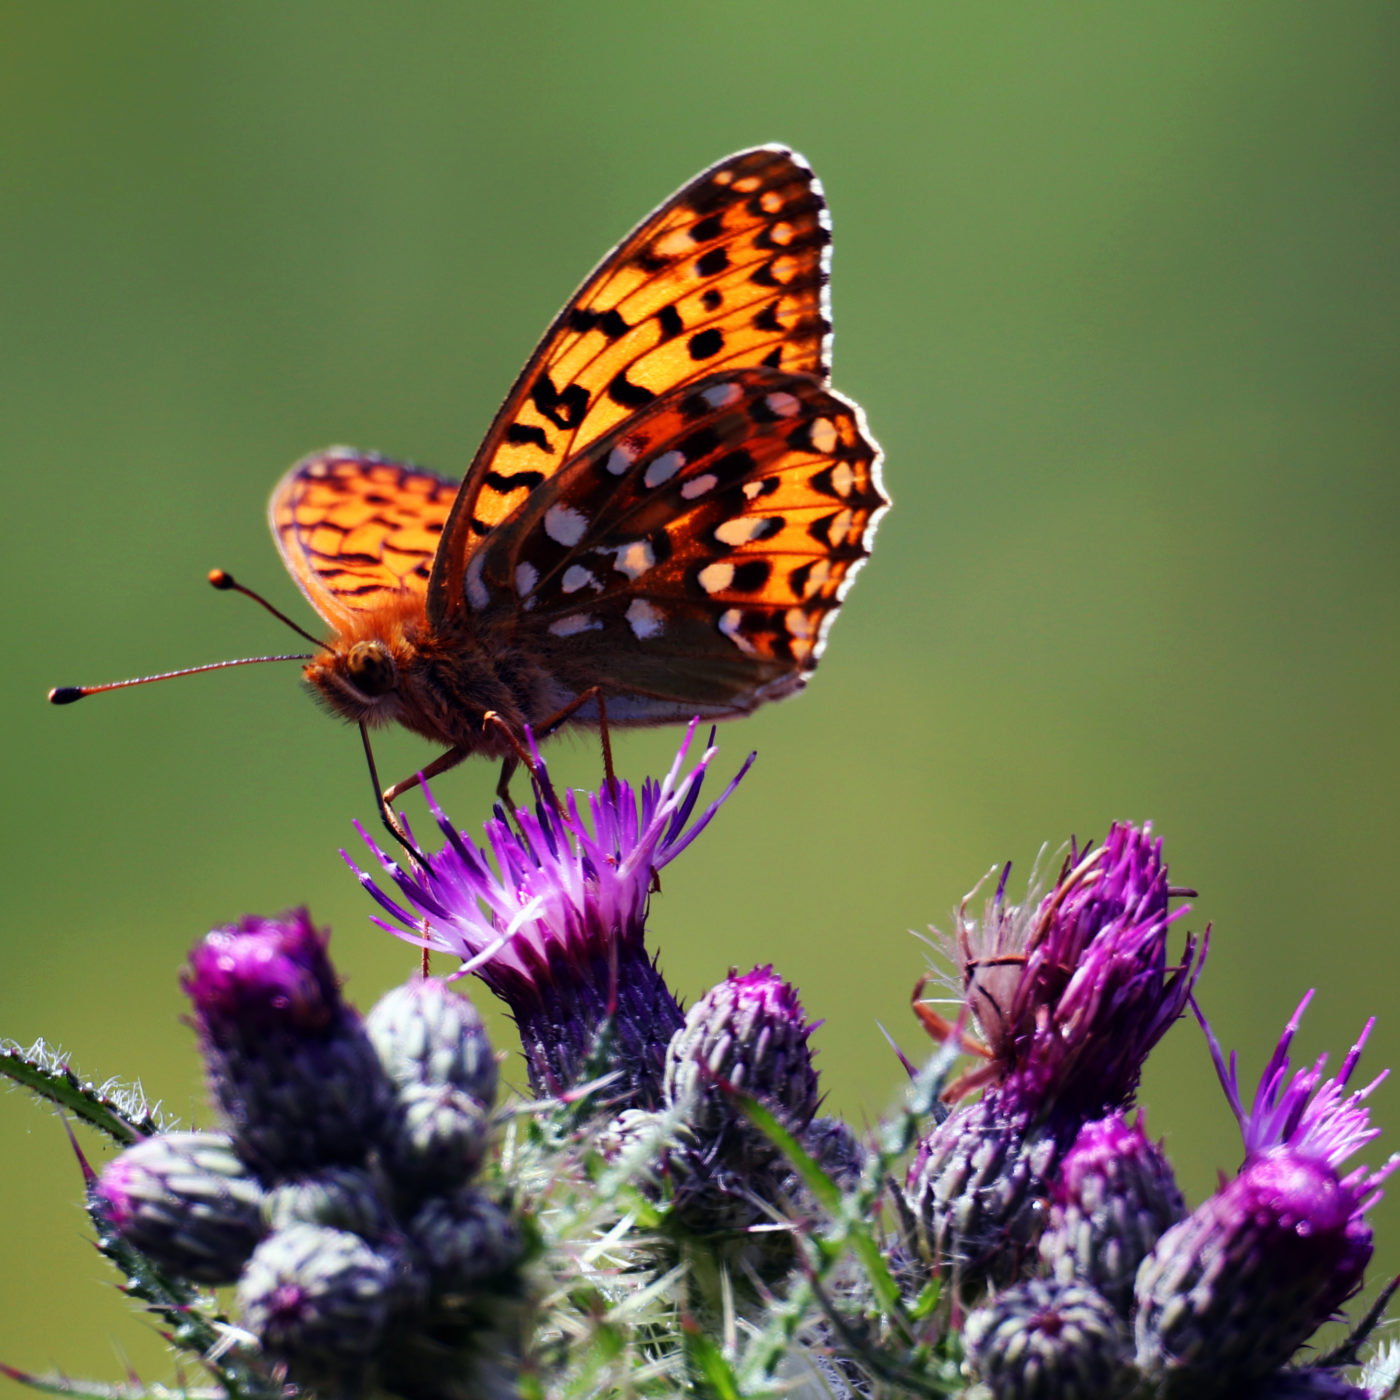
<point x="551" y="915"/>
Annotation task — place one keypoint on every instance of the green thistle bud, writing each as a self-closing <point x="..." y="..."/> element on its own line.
<point x="1046" y="1341"/>
<point x="345" y="1198"/>
<point x="186" y="1201"/>
<point x="425" y="1033"/>
<point x="438" y="1137"/>
<point x="320" y="1300"/>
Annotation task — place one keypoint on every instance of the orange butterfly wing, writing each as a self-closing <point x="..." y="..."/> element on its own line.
<point x="359" y="533"/>
<point x="730" y="272"/>
<point x="707" y="542"/>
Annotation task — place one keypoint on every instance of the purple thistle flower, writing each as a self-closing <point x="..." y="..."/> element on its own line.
<point x="1072" y="991"/>
<point x="1232" y="1291"/>
<point x="551" y="915"/>
<point x="287" y="1059"/>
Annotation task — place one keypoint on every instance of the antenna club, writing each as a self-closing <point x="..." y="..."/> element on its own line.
<point x="66" y="694"/>
<point x="221" y="579"/>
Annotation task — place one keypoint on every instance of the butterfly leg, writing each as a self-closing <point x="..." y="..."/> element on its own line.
<point x="519" y="754"/>
<point x="594" y="693"/>
<point x="386" y="813"/>
<point x="440" y="764"/>
<point x="508" y="766"/>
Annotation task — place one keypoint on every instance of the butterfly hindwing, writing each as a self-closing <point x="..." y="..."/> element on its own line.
<point x="729" y="273"/>
<point x="707" y="543"/>
<point x="357" y="532"/>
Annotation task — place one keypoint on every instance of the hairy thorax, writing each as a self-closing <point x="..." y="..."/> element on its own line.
<point x="393" y="670"/>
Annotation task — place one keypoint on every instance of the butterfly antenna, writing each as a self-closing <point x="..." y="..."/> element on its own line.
<point x="67" y="694"/>
<point x="226" y="583"/>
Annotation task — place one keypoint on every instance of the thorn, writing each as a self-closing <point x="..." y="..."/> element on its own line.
<point x="902" y="1057"/>
<point x="89" y="1176"/>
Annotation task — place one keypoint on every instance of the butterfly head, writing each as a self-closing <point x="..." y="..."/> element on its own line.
<point x="360" y="682"/>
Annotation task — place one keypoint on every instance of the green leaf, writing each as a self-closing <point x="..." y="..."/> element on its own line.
<point x="122" y="1113"/>
<point x="851" y="1229"/>
<point x="708" y="1365"/>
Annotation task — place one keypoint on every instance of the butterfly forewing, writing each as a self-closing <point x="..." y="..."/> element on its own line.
<point x="359" y="533"/>
<point x="729" y="273"/>
<point x="696" y="555"/>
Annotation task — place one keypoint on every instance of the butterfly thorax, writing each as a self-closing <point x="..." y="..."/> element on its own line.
<point x="395" y="670"/>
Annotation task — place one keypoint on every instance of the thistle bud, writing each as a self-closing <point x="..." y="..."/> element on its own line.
<point x="1046" y="1341"/>
<point x="185" y="1201"/>
<point x="346" y="1198"/>
<point x="1111" y="1199"/>
<point x="288" y="1061"/>
<point x="320" y="1300"/>
<point x="464" y="1239"/>
<point x="747" y="1033"/>
<point x="426" y="1033"/>
<point x="976" y="1188"/>
<point x="437" y="1138"/>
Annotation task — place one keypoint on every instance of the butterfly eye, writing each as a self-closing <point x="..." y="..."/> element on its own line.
<point x="371" y="669"/>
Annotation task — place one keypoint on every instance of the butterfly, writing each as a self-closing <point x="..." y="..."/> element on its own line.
<point x="661" y="522"/>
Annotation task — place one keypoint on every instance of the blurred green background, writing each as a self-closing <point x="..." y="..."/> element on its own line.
<point x="1118" y="289"/>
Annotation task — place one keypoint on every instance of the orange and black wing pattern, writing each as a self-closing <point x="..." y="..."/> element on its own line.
<point x="694" y="559"/>
<point x="729" y="273"/>
<point x="359" y="533"/>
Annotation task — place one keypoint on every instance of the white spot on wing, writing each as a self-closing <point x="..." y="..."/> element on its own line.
<point x="634" y="559"/>
<point x="823" y="434"/>
<point x="715" y="578"/>
<point x="817" y="577"/>
<point x="698" y="485"/>
<point x="798" y="624"/>
<point x="722" y="395"/>
<point x="477" y="594"/>
<point x="742" y="529"/>
<point x="730" y="623"/>
<point x="842" y="478"/>
<point x="622" y="456"/>
<point x="526" y="577"/>
<point x="576" y="577"/>
<point x="782" y="403"/>
<point x="573" y="624"/>
<point x="565" y="525"/>
<point x="646" y="619"/>
<point x="664" y="468"/>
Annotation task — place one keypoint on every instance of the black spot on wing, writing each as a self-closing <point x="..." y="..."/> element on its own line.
<point x="767" y="319"/>
<point x="529" y="433"/>
<point x="516" y="481"/>
<point x="711" y="264"/>
<point x="564" y="410"/>
<point x="623" y="392"/>
<point x="708" y="228"/>
<point x="750" y="576"/>
<point x="704" y="344"/>
<point x="670" y="322"/>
